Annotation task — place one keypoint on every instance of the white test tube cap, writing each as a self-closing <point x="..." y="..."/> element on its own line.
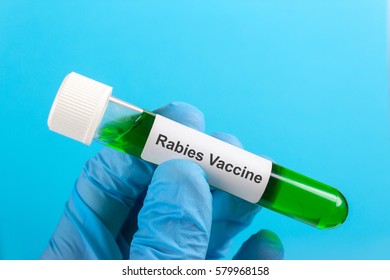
<point x="79" y="107"/>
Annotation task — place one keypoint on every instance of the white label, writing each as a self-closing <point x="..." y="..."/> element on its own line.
<point x="228" y="168"/>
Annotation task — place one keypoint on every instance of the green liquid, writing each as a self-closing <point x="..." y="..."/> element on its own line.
<point x="128" y="134"/>
<point x="304" y="199"/>
<point x="287" y="192"/>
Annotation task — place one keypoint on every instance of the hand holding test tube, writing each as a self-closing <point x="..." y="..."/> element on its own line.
<point x="85" y="110"/>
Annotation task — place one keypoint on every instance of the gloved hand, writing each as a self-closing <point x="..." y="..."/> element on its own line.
<point x="125" y="208"/>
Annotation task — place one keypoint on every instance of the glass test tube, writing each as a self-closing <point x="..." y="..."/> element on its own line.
<point x="130" y="129"/>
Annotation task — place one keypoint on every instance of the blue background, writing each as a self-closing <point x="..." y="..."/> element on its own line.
<point x="302" y="82"/>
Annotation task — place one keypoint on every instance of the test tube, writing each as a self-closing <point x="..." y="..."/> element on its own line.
<point x="85" y="110"/>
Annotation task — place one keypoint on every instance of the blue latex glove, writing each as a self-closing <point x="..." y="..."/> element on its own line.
<point x="125" y="208"/>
